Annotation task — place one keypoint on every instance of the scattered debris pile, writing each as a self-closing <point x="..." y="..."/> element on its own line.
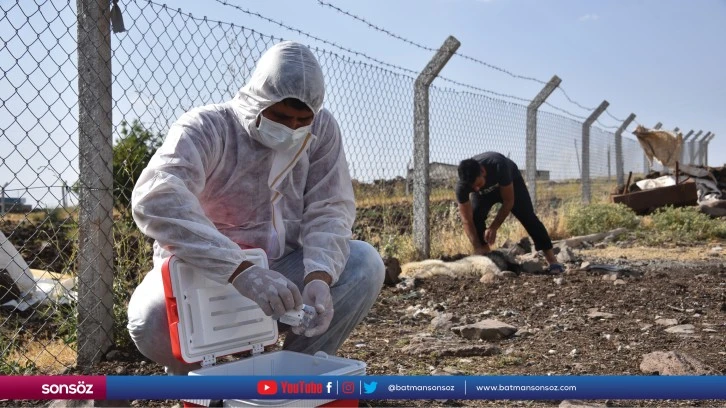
<point x="679" y="185"/>
<point x="22" y="288"/>
<point x="711" y="185"/>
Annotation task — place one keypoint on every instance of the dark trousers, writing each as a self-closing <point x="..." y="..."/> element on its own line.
<point x="522" y="209"/>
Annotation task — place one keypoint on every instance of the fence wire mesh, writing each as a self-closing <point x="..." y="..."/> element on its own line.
<point x="167" y="63"/>
<point x="39" y="155"/>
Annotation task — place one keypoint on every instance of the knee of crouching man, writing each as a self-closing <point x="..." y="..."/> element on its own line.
<point x="373" y="271"/>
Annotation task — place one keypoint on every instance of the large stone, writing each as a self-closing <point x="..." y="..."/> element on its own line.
<point x="443" y="321"/>
<point x="597" y="315"/>
<point x="672" y="363"/>
<point x="580" y="404"/>
<point x="566" y="255"/>
<point x="681" y="329"/>
<point x="666" y="322"/>
<point x="583" y="241"/>
<point x="431" y="346"/>
<point x="487" y="329"/>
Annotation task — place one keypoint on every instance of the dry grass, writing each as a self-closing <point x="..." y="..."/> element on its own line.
<point x="566" y="191"/>
<point x="48" y="356"/>
<point x="675" y="253"/>
<point x="447" y="236"/>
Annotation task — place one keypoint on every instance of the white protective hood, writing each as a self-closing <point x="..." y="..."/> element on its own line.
<point x="212" y="188"/>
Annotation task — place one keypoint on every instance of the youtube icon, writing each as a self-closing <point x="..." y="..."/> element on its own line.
<point x="267" y="387"/>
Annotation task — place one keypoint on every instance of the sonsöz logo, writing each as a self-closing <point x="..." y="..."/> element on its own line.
<point x="80" y="388"/>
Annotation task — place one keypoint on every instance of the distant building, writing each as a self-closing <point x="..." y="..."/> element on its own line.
<point x="440" y="175"/>
<point x="541" y="174"/>
<point x="13" y="204"/>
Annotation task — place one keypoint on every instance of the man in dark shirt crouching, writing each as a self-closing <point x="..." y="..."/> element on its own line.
<point x="493" y="178"/>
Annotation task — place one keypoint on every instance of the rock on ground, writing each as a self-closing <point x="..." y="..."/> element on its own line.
<point x="442" y="347"/>
<point x="580" y="404"/>
<point x="672" y="363"/>
<point x="681" y="329"/>
<point x="487" y="329"/>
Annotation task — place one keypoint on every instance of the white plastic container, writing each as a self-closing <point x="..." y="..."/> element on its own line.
<point x="208" y="320"/>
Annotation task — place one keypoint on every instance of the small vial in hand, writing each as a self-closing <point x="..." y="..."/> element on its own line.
<point x="299" y="317"/>
<point x="309" y="314"/>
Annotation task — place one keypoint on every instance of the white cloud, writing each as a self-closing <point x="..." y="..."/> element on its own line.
<point x="589" y="17"/>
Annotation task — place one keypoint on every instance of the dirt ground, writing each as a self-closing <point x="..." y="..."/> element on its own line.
<point x="688" y="285"/>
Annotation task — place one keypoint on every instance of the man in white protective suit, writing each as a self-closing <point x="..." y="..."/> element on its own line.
<point x="264" y="170"/>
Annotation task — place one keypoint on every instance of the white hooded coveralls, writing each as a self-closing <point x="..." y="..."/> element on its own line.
<point x="212" y="188"/>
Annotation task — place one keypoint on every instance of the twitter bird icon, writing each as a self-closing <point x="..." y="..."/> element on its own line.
<point x="369" y="388"/>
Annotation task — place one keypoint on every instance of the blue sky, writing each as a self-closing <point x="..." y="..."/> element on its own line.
<point x="660" y="59"/>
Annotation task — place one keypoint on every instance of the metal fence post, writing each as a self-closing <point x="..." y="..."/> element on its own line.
<point x="421" y="228"/>
<point x="95" y="239"/>
<point x="683" y="146"/>
<point x="609" y="173"/>
<point x="702" y="147"/>
<point x="692" y="148"/>
<point x="586" y="193"/>
<point x="619" y="171"/>
<point x="705" y="151"/>
<point x="699" y="154"/>
<point x="531" y="155"/>
<point x="2" y="198"/>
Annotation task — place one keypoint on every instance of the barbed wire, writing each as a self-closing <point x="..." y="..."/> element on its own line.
<point x="426" y="48"/>
<point x="572" y="101"/>
<point x="464" y="56"/>
<point x="614" y="117"/>
<point x="487" y="91"/>
<point x="564" y="111"/>
<point x="316" y="38"/>
<point x="383" y="63"/>
<point x="602" y="125"/>
<point x="407" y="70"/>
<point x="376" y="27"/>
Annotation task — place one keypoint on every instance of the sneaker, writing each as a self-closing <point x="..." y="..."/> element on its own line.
<point x="556" y="269"/>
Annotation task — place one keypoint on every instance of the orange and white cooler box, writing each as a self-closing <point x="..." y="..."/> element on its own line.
<point x="208" y="320"/>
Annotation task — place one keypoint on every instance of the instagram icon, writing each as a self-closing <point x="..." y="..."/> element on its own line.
<point x="347" y="387"/>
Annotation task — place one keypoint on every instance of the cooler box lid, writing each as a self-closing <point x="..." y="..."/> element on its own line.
<point x="208" y="320"/>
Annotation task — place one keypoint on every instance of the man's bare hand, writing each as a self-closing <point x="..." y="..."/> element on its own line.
<point x="490" y="236"/>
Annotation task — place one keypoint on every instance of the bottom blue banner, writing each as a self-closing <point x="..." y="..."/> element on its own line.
<point x="416" y="387"/>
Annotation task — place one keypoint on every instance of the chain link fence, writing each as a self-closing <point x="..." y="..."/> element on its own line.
<point x="38" y="168"/>
<point x="57" y="194"/>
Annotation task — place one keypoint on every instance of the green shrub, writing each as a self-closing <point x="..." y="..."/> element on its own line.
<point x="683" y="224"/>
<point x="132" y="260"/>
<point x="595" y="218"/>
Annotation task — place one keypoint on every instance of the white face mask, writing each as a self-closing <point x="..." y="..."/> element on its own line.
<point x="277" y="136"/>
